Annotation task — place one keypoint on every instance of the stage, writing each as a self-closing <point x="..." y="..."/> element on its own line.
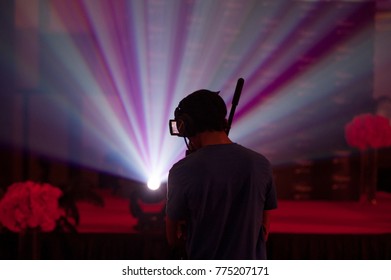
<point x="291" y="217"/>
<point x="299" y="230"/>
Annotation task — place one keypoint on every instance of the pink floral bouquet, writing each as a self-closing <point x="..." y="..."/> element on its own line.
<point x="368" y="131"/>
<point x="30" y="205"/>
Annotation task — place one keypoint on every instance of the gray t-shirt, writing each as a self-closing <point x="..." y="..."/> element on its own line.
<point x="221" y="191"/>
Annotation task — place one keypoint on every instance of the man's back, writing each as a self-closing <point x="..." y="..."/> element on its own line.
<point x="222" y="191"/>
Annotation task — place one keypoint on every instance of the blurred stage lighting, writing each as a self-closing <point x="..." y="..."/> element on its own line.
<point x="148" y="207"/>
<point x="111" y="73"/>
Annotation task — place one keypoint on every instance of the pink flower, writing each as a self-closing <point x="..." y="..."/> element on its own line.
<point x="30" y="205"/>
<point x="368" y="131"/>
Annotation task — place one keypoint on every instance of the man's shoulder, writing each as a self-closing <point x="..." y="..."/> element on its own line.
<point x="183" y="163"/>
<point x="251" y="153"/>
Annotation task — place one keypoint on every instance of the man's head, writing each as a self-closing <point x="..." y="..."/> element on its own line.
<point x="202" y="110"/>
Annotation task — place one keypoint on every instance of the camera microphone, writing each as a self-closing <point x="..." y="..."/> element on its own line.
<point x="235" y="102"/>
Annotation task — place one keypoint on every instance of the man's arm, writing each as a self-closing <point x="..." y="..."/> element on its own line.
<point x="266" y="223"/>
<point x="174" y="231"/>
<point x="171" y="231"/>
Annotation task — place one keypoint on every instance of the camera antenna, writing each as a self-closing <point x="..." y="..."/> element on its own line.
<point x="235" y="102"/>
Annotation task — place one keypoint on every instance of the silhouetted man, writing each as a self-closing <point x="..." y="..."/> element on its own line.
<point x="221" y="191"/>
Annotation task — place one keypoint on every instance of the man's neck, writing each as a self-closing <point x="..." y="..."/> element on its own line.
<point x="213" y="138"/>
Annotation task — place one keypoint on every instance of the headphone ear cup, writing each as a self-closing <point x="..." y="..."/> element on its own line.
<point x="185" y="125"/>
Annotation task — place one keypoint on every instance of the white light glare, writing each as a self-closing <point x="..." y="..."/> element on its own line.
<point x="153" y="183"/>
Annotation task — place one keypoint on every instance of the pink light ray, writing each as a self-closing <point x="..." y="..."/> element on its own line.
<point x="147" y="56"/>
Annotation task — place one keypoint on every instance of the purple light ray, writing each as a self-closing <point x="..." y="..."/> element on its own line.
<point x="134" y="60"/>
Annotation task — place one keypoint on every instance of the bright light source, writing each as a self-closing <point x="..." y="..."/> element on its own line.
<point x="153" y="183"/>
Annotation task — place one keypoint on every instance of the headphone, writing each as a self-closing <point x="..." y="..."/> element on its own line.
<point x="184" y="123"/>
<point x="194" y="113"/>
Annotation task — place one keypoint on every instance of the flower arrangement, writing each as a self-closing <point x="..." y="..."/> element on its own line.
<point x="368" y="131"/>
<point x="32" y="205"/>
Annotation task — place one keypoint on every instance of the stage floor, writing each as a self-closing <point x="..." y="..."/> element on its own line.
<point x="297" y="217"/>
<point x="300" y="230"/>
